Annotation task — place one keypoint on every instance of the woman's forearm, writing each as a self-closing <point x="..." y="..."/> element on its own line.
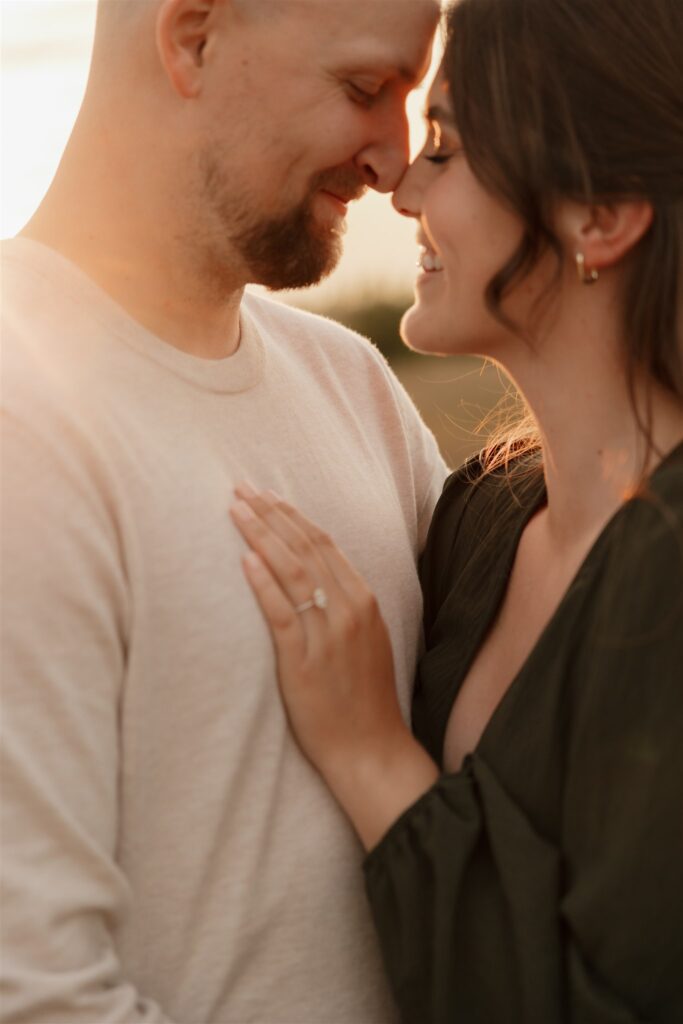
<point x="376" y="786"/>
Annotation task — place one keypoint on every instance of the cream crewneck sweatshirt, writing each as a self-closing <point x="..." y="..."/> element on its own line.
<point x="168" y="854"/>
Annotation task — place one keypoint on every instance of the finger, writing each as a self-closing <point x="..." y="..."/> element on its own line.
<point x="356" y="606"/>
<point x="285" y="625"/>
<point x="348" y="610"/>
<point x="291" y="573"/>
<point x="321" y="542"/>
<point x="300" y="531"/>
<point x="270" y="508"/>
<point x="266" y="504"/>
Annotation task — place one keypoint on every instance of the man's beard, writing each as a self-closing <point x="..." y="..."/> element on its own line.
<point x="294" y="249"/>
<point x="291" y="251"/>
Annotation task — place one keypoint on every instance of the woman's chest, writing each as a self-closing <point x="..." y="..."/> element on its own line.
<point x="533" y="595"/>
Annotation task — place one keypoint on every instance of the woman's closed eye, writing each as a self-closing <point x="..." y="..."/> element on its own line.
<point x="439" y="147"/>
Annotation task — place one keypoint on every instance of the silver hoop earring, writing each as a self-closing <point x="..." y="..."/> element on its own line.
<point x="585" y="276"/>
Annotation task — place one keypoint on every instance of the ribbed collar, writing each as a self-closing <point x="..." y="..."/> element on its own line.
<point x="239" y="372"/>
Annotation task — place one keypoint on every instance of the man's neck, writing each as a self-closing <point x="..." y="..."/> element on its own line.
<point x="126" y="244"/>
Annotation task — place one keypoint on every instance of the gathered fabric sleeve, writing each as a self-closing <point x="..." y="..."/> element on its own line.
<point x="64" y="622"/>
<point x="464" y="893"/>
<point x="483" y="917"/>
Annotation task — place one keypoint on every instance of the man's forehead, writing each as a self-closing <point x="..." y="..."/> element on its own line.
<point x="366" y="12"/>
<point x="385" y="35"/>
<point x="344" y="5"/>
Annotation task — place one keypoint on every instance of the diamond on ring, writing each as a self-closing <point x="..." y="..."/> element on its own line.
<point x="318" y="600"/>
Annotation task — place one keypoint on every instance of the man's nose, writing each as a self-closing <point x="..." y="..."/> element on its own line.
<point x="383" y="161"/>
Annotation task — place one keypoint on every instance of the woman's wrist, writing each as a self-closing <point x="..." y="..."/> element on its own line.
<point x="374" y="785"/>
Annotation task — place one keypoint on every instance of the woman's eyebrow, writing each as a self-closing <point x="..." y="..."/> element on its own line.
<point x="440" y="114"/>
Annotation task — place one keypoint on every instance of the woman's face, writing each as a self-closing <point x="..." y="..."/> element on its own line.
<point x="466" y="235"/>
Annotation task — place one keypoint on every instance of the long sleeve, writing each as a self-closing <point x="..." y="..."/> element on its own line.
<point x="484" y="915"/>
<point x="464" y="894"/>
<point x="63" y="625"/>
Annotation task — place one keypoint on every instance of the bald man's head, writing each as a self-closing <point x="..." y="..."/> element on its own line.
<point x="111" y="13"/>
<point x="124" y="13"/>
<point x="261" y="119"/>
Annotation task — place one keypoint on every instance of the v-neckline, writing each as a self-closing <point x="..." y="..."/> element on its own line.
<point x="485" y="626"/>
<point x="517" y="682"/>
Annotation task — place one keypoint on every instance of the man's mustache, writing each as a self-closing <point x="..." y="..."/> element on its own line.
<point x="344" y="183"/>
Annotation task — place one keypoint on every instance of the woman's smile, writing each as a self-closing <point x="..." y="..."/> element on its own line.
<point x="429" y="261"/>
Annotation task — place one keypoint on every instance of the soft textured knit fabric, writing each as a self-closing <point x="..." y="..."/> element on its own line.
<point x="168" y="854"/>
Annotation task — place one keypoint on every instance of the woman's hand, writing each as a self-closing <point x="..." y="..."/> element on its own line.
<point x="335" y="665"/>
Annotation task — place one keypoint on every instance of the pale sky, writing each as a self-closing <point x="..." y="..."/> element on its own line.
<point x="45" y="51"/>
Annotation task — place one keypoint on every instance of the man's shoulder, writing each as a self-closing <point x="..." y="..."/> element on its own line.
<point x="36" y="301"/>
<point x="353" y="374"/>
<point x="305" y="328"/>
<point x="18" y="281"/>
<point x="23" y="316"/>
<point x="54" y="353"/>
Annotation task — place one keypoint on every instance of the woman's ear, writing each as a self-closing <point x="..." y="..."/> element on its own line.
<point x="604" y="233"/>
<point x="183" y="31"/>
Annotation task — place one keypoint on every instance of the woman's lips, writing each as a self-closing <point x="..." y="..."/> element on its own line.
<point x="429" y="261"/>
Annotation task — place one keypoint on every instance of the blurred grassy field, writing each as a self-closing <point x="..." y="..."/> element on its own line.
<point x="460" y="399"/>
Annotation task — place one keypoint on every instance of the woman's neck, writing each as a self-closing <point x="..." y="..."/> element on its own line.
<point x="595" y="451"/>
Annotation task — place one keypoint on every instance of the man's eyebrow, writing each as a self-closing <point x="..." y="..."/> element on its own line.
<point x="386" y="69"/>
<point x="411" y="75"/>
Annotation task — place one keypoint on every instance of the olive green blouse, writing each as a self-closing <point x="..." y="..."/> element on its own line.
<point x="543" y="883"/>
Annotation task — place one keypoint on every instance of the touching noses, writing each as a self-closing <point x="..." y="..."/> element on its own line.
<point x="407" y="195"/>
<point x="383" y="161"/>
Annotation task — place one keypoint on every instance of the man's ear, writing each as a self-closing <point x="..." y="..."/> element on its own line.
<point x="182" y="33"/>
<point x="604" y="233"/>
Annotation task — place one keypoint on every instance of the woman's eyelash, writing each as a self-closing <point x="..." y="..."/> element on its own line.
<point x="438" y="158"/>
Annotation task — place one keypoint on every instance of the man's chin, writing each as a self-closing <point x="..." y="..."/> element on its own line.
<point x="296" y="250"/>
<point x="298" y="269"/>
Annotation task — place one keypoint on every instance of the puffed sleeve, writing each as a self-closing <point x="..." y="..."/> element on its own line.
<point x="484" y="919"/>
<point x="464" y="893"/>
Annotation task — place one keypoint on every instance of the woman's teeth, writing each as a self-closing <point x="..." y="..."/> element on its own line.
<point x="429" y="261"/>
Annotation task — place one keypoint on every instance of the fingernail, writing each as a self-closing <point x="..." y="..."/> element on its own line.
<point x="242" y="511"/>
<point x="245" y="490"/>
<point x="252" y="560"/>
<point x="272" y="497"/>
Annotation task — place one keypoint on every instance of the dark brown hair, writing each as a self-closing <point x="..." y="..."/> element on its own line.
<point x="581" y="99"/>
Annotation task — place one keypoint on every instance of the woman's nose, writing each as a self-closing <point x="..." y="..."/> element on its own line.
<point x="406" y="197"/>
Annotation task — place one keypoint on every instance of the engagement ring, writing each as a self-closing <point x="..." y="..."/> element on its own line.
<point x="318" y="600"/>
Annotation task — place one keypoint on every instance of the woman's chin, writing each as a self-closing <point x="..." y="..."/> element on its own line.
<point x="420" y="332"/>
